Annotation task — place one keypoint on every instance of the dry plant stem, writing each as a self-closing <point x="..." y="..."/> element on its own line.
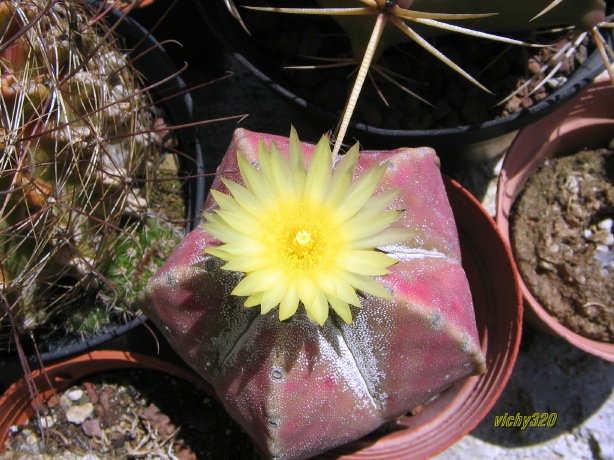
<point x="76" y="154"/>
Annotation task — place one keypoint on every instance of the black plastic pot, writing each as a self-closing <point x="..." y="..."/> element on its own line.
<point x="156" y="65"/>
<point x="453" y="145"/>
<point x="170" y="94"/>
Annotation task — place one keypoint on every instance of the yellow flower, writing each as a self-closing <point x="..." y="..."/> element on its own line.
<point x="305" y="234"/>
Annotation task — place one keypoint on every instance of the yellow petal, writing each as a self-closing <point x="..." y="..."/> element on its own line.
<point x="342" y="177"/>
<point x="367" y="285"/>
<point x="307" y="290"/>
<point x="254" y="183"/>
<point x="258" y="281"/>
<point x="241" y="221"/>
<point x="381" y="201"/>
<point x="226" y="202"/>
<point x="272" y="297"/>
<point x="335" y="286"/>
<point x="296" y="160"/>
<point x="388" y="237"/>
<point x="289" y="304"/>
<point x="219" y="252"/>
<point x="246" y="199"/>
<point x="365" y="262"/>
<point x="245" y="247"/>
<point x="247" y="264"/>
<point x="281" y="174"/>
<point x="319" y="172"/>
<point x="253" y="300"/>
<point x="342" y="309"/>
<point x="218" y="228"/>
<point x="360" y="191"/>
<point x="365" y="224"/>
<point x="296" y="156"/>
<point x="318" y="309"/>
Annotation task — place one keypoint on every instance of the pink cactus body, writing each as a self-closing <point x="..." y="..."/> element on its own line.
<point x="298" y="388"/>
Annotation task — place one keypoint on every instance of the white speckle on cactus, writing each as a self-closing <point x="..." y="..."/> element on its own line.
<point x="436" y="320"/>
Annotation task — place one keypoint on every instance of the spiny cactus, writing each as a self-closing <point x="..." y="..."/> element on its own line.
<point x="374" y="26"/>
<point x="302" y="379"/>
<point x="78" y="152"/>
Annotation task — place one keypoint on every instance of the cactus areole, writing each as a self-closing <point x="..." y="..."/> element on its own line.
<point x="364" y="308"/>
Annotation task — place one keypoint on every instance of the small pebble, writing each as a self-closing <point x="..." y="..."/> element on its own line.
<point x="53" y="401"/>
<point x="556" y="82"/>
<point x="606" y="224"/>
<point x="572" y="185"/>
<point x="65" y="401"/>
<point x="32" y="439"/>
<point x="92" y="428"/>
<point x="587" y="233"/>
<point x="47" y="421"/>
<point x="75" y="395"/>
<point x="79" y="414"/>
<point x="533" y="65"/>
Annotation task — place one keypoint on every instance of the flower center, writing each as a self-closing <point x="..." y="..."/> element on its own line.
<point x="303" y="248"/>
<point x="303" y="238"/>
<point x="302" y="243"/>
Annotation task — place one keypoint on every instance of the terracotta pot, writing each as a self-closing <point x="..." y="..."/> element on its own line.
<point x="440" y="423"/>
<point x="586" y="121"/>
<point x="16" y="404"/>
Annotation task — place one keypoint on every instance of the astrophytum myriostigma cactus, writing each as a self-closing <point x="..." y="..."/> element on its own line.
<point x="359" y="259"/>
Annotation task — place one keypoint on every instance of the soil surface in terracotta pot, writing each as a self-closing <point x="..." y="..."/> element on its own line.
<point x="287" y="40"/>
<point x="562" y="235"/>
<point x="132" y="413"/>
<point x="137" y="413"/>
